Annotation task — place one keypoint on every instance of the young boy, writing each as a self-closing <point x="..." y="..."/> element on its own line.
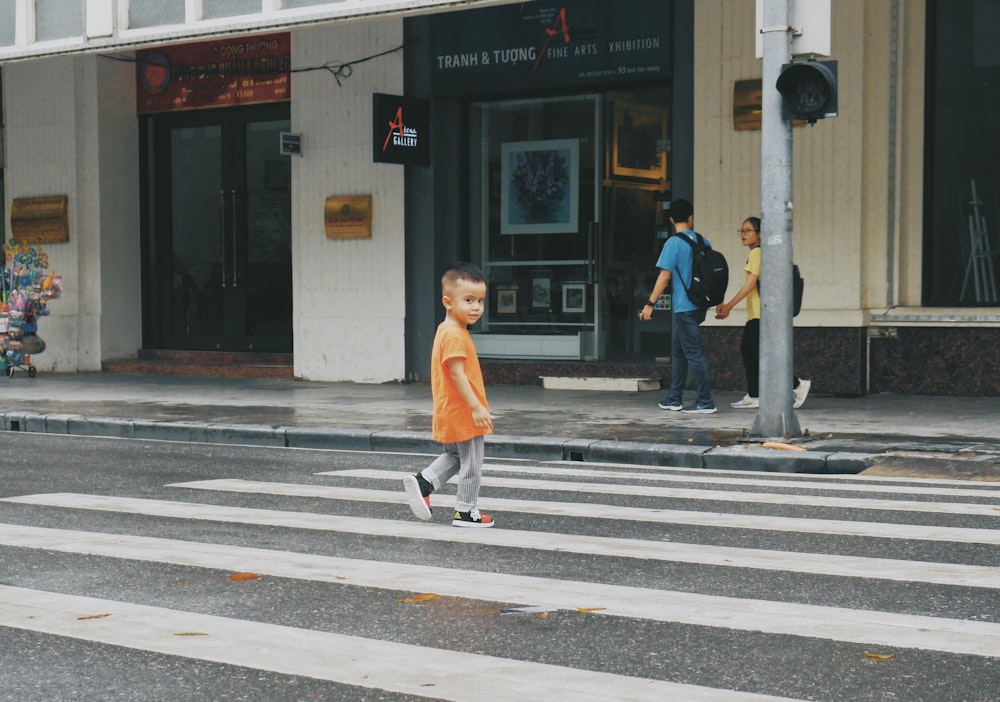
<point x="461" y="414"/>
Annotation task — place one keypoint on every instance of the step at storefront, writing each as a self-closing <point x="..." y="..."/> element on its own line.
<point x="205" y="364"/>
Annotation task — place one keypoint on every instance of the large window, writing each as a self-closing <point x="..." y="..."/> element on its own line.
<point x="536" y="211"/>
<point x="962" y="185"/>
<point x="565" y="194"/>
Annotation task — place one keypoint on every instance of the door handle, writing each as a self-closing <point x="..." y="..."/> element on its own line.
<point x="232" y="226"/>
<point x="222" y="236"/>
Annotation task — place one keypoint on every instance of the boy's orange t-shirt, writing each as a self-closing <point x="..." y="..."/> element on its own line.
<point x="452" y="417"/>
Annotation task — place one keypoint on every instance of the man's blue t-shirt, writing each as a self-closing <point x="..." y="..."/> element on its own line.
<point x="675" y="256"/>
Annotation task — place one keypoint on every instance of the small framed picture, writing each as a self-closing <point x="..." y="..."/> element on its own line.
<point x="574" y="297"/>
<point x="541" y="292"/>
<point x="506" y="300"/>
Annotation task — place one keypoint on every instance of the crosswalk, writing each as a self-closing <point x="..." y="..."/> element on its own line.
<point x="663" y="566"/>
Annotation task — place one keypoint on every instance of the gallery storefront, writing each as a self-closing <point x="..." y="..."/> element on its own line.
<point x="556" y="133"/>
<point x="567" y="129"/>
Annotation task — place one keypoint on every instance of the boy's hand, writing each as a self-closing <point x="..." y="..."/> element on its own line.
<point x="482" y="417"/>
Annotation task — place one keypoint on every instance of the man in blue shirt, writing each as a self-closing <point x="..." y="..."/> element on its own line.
<point x="686" y="352"/>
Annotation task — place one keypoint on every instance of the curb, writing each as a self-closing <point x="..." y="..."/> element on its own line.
<point x="499" y="446"/>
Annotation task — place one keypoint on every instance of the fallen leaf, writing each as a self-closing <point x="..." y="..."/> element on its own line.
<point x="423" y="597"/>
<point x="179" y="583"/>
<point x="543" y="615"/>
<point x="243" y="576"/>
<point x="879" y="656"/>
<point x="782" y="446"/>
<point x="586" y="610"/>
<point x="191" y="633"/>
<point x="94" y="616"/>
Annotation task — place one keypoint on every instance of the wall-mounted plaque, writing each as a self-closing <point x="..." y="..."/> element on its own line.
<point x="348" y="217"/>
<point x="40" y="220"/>
<point x="746" y="105"/>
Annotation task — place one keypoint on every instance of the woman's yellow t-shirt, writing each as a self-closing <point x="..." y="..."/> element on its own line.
<point x="753" y="297"/>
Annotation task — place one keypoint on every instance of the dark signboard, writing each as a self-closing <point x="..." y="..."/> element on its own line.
<point x="530" y="46"/>
<point x="226" y="71"/>
<point x="401" y="130"/>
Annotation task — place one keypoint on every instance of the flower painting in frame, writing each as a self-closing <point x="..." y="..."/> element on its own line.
<point x="540" y="187"/>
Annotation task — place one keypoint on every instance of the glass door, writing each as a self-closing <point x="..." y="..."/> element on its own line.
<point x="566" y="201"/>
<point x="220" y="252"/>
<point x="634" y="228"/>
<point x="534" y="196"/>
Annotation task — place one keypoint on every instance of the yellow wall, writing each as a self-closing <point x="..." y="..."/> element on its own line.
<point x="843" y="234"/>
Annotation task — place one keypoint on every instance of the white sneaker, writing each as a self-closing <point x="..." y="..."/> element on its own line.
<point x="746" y="403"/>
<point x="800" y="393"/>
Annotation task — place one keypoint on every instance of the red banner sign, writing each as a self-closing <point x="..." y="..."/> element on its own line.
<point x="227" y="71"/>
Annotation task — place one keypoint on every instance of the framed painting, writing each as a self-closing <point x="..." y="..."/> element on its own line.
<point x="541" y="292"/>
<point x="638" y="128"/>
<point x="540" y="187"/>
<point x="506" y="300"/>
<point x="574" y="297"/>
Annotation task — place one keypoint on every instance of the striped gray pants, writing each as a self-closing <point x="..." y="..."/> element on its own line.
<point x="464" y="459"/>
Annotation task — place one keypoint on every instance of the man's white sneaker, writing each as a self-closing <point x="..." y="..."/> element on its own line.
<point x="746" y="403"/>
<point x="801" y="392"/>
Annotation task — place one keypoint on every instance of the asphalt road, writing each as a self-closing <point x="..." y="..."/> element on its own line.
<point x="153" y="570"/>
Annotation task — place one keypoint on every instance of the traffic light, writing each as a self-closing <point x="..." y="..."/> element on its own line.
<point x="808" y="90"/>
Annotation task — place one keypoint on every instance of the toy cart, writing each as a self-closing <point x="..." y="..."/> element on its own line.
<point x="25" y="291"/>
<point x="18" y="347"/>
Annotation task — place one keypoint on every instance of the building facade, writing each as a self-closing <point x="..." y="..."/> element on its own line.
<point x="290" y="176"/>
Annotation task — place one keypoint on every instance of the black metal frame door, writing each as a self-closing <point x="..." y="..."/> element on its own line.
<point x="221" y="240"/>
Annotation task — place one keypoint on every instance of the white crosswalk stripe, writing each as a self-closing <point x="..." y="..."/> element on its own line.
<point x="880" y="530"/>
<point x="927" y="515"/>
<point x="654" y="474"/>
<point x="325" y="656"/>
<point x="885" y="505"/>
<point x="818" y="564"/>
<point x="931" y="633"/>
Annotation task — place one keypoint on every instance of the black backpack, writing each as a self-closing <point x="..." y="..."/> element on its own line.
<point x="798" y="287"/>
<point x="709" y="274"/>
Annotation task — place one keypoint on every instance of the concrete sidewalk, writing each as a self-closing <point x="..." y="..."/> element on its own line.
<point x="946" y="436"/>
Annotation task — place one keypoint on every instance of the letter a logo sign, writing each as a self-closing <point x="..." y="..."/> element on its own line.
<point x="408" y="139"/>
<point x="395" y="124"/>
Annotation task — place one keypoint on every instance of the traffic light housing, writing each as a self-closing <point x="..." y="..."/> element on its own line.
<point x="808" y="90"/>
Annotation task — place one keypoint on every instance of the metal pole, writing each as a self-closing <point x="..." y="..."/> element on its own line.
<point x="775" y="417"/>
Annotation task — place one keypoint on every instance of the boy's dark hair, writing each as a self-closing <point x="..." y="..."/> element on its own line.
<point x="681" y="210"/>
<point x="462" y="270"/>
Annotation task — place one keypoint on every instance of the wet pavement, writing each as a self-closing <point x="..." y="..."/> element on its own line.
<point x="957" y="436"/>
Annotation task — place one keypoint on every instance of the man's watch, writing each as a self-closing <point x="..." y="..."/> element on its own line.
<point x="651" y="304"/>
